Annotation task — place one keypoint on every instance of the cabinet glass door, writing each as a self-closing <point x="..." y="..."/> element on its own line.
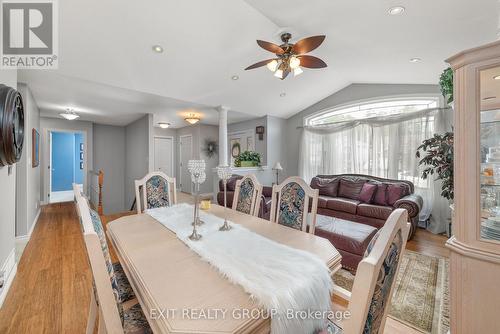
<point x="490" y="153"/>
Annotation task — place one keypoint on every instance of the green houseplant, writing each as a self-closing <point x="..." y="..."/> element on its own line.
<point x="247" y="159"/>
<point x="446" y="84"/>
<point x="438" y="160"/>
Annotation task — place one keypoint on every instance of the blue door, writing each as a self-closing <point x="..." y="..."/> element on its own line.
<point x="63" y="160"/>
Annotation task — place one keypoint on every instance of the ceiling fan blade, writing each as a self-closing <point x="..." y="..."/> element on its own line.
<point x="307" y="44"/>
<point x="271" y="47"/>
<point x="311" y="62"/>
<point x="259" y="64"/>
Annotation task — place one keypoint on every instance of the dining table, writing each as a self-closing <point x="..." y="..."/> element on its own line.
<point x="180" y="293"/>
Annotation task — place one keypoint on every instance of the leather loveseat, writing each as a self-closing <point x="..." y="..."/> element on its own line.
<point x="366" y="199"/>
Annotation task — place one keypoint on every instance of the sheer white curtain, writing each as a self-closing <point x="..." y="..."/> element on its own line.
<point x="382" y="147"/>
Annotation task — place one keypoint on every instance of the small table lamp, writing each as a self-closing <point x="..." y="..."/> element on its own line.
<point x="277" y="167"/>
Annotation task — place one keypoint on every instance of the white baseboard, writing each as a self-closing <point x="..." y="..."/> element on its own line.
<point x="22" y="240"/>
<point x="10" y="269"/>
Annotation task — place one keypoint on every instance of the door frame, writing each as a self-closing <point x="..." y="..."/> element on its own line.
<point x="173" y="152"/>
<point x="48" y="161"/>
<point x="180" y="159"/>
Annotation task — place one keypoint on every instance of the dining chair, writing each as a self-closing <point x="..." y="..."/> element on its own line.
<point x="158" y="190"/>
<point x="374" y="281"/>
<point x="247" y="195"/>
<point x="290" y="204"/>
<point x="112" y="296"/>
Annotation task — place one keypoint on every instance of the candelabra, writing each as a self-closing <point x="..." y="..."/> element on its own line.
<point x="198" y="176"/>
<point x="224" y="173"/>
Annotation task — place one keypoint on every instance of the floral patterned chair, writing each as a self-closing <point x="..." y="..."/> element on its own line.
<point x="247" y="195"/>
<point x="157" y="190"/>
<point x="290" y="204"/>
<point x="375" y="278"/>
<point x="112" y="295"/>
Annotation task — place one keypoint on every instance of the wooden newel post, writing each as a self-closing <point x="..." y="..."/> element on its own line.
<point x="101" y="181"/>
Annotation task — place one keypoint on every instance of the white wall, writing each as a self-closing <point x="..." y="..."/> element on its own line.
<point x="159" y="132"/>
<point x="50" y="124"/>
<point x="350" y="94"/>
<point x="137" y="146"/>
<point x="110" y="157"/>
<point x="27" y="177"/>
<point x="7" y="203"/>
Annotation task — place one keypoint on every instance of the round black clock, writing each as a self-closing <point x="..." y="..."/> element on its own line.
<point x="11" y="125"/>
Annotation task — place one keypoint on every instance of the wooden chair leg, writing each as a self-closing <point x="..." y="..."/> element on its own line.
<point x="92" y="314"/>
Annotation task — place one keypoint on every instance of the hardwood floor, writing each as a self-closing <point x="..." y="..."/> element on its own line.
<point x="51" y="291"/>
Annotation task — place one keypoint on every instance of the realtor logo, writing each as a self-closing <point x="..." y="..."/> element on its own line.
<point x="29" y="34"/>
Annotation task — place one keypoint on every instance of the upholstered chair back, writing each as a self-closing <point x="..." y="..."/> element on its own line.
<point x="247" y="195"/>
<point x="290" y="204"/>
<point x="157" y="189"/>
<point x="105" y="285"/>
<point x="376" y="275"/>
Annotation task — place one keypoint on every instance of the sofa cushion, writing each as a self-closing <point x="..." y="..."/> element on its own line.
<point x="367" y="192"/>
<point x="343" y="204"/>
<point x="375" y="211"/>
<point x="322" y="201"/>
<point x="380" y="197"/>
<point x="326" y="187"/>
<point x="345" y="235"/>
<point x="350" y="188"/>
<point x="394" y="192"/>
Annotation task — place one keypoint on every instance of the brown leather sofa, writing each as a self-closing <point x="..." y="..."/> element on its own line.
<point x="265" y="205"/>
<point x="345" y="196"/>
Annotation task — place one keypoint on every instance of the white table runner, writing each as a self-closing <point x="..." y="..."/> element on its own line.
<point x="282" y="279"/>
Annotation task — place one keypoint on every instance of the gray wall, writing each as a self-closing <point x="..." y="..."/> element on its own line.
<point x="46" y="125"/>
<point x="109" y="156"/>
<point x="8" y="191"/>
<point x="276" y="149"/>
<point x="27" y="177"/>
<point x="350" y="94"/>
<point x="137" y="139"/>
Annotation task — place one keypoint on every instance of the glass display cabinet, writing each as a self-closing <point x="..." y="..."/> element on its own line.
<point x="475" y="243"/>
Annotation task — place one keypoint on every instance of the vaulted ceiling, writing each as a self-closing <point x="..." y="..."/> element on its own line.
<point x="108" y="71"/>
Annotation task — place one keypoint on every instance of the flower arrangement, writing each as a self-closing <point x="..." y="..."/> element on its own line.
<point x="247" y="159"/>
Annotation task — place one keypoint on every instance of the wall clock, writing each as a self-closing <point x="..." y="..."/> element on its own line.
<point x="11" y="125"/>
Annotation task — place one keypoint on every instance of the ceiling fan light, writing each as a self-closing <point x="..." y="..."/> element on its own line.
<point x="297" y="71"/>
<point x="294" y="62"/>
<point x="272" y="65"/>
<point x="278" y="74"/>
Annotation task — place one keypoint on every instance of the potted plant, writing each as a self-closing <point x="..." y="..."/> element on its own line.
<point x="247" y="159"/>
<point x="438" y="160"/>
<point x="446" y="85"/>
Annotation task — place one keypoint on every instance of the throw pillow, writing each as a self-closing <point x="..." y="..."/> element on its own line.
<point x="380" y="197"/>
<point x="326" y="187"/>
<point x="367" y="192"/>
<point x="394" y="192"/>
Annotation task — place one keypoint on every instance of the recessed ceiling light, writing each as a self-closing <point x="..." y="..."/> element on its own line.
<point x="164" y="125"/>
<point x="415" y="60"/>
<point x="157" y="48"/>
<point x="283" y="94"/>
<point x="496" y="77"/>
<point x="69" y="114"/>
<point x="489" y="98"/>
<point x="396" y="10"/>
<point x="235" y="77"/>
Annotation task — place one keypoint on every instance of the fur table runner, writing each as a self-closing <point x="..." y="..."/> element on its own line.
<point x="282" y="279"/>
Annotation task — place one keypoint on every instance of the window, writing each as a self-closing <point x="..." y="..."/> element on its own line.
<point x="369" y="110"/>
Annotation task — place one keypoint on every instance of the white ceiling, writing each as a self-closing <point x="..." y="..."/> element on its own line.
<point x="108" y="71"/>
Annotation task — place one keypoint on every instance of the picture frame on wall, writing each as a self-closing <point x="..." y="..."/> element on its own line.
<point x="81" y="164"/>
<point x="81" y="147"/>
<point x="81" y="155"/>
<point x="35" y="148"/>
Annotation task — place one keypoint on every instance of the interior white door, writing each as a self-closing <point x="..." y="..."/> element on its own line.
<point x="164" y="155"/>
<point x="186" y="154"/>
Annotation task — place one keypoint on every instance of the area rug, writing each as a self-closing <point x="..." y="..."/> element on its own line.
<point x="420" y="298"/>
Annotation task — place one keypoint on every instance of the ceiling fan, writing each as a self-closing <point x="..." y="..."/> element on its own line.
<point x="290" y="57"/>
